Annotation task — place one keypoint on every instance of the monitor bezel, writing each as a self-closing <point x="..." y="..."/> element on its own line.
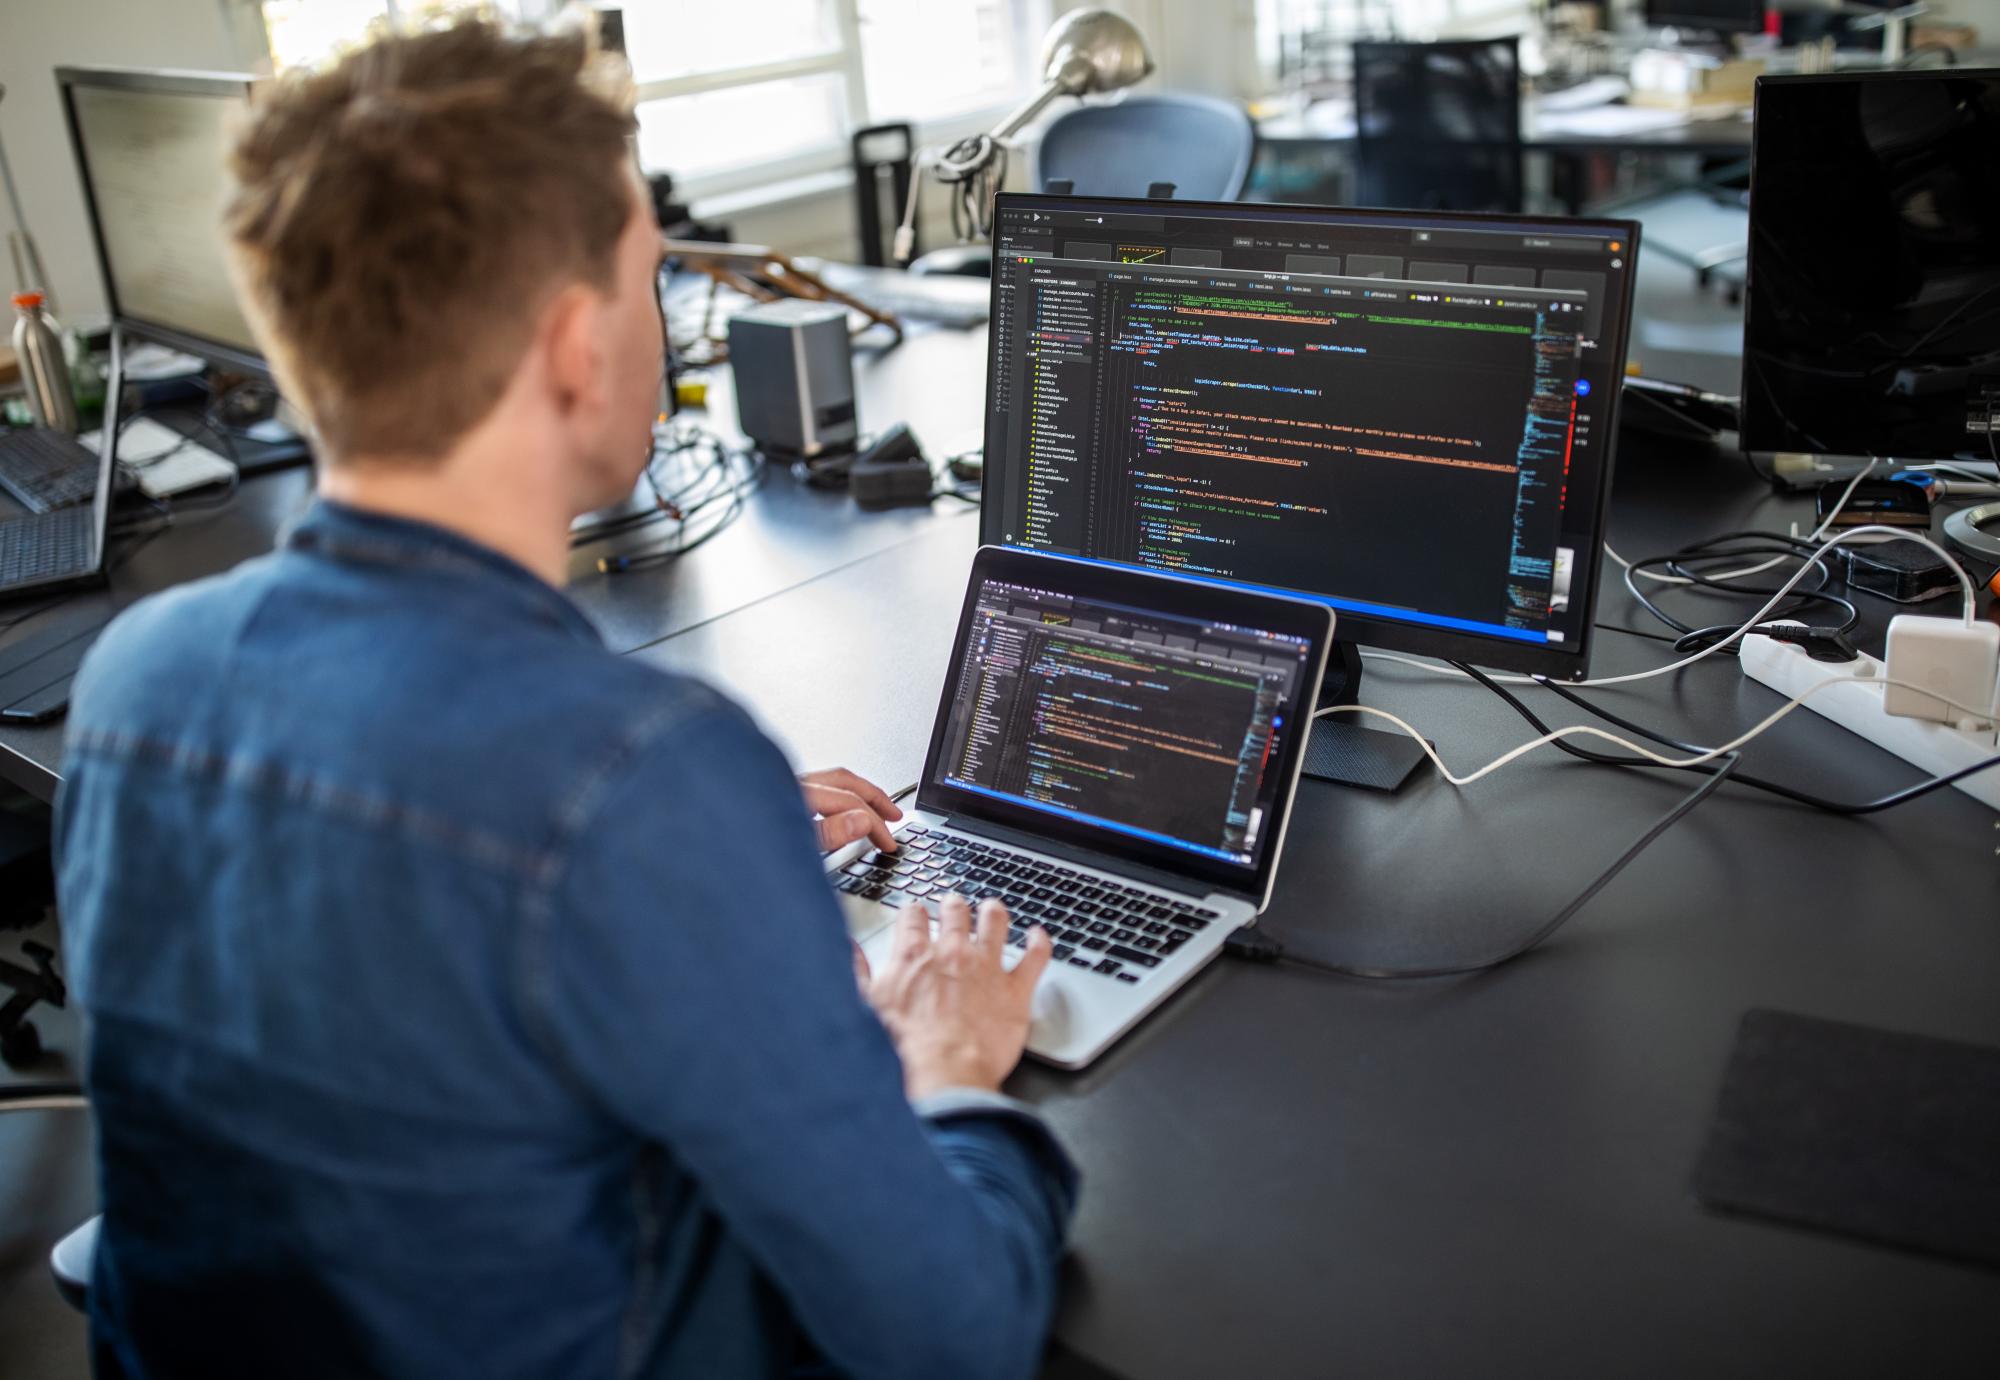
<point x="157" y="81"/>
<point x="1556" y="661"/>
<point x="1662" y="14"/>
<point x="1288" y="616"/>
<point x="1755" y="428"/>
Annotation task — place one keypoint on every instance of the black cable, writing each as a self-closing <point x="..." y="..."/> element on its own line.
<point x="1260" y="947"/>
<point x="1742" y="778"/>
<point x="1837" y="807"/>
<point x="1731" y="547"/>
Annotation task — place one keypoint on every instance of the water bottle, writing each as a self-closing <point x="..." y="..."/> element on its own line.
<point x="39" y="351"/>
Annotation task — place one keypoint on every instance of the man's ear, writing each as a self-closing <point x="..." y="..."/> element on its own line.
<point x="572" y="345"/>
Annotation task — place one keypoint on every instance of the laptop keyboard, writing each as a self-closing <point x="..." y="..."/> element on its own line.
<point x="45" y="546"/>
<point x="45" y="470"/>
<point x="1098" y="924"/>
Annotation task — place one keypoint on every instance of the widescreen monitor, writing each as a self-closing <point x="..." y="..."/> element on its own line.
<point x="1408" y="416"/>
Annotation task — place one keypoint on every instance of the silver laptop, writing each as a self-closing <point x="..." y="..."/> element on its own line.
<point x="1114" y="757"/>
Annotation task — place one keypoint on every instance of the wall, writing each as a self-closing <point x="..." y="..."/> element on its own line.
<point x="36" y="36"/>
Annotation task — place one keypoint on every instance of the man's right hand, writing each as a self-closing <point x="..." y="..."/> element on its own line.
<point x="958" y="1017"/>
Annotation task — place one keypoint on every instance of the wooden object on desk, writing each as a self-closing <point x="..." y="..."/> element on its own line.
<point x="1674" y="80"/>
<point x="10" y="368"/>
<point x="764" y="275"/>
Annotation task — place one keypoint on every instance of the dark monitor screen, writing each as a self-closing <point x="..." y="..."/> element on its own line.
<point x="1152" y="719"/>
<point x="1406" y="416"/>
<point x="1872" y="319"/>
<point x="1713" y="16"/>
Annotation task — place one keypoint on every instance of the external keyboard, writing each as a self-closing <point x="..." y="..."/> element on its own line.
<point x="45" y="546"/>
<point x="1098" y="924"/>
<point x="45" y="470"/>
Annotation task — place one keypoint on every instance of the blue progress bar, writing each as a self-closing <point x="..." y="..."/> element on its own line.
<point x="1436" y="620"/>
<point x="1097" y="820"/>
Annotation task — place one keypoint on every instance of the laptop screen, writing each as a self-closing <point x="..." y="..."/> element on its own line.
<point x="1147" y="717"/>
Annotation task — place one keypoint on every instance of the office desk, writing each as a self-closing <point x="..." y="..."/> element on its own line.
<point x="1290" y="1175"/>
<point x="1305" y="156"/>
<point x="787" y="536"/>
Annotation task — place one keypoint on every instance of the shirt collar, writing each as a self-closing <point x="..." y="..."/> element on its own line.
<point x="357" y="536"/>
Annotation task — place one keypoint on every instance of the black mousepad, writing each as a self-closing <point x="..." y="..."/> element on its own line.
<point x="1870" y="1133"/>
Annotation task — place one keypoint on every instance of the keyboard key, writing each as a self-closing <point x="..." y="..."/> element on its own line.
<point x="1063" y="951"/>
<point x="1193" y="922"/>
<point x="1042" y="893"/>
<point x="1127" y="977"/>
<point x="1124" y="936"/>
<point x="1178" y="936"/>
<point x="1134" y="956"/>
<point x="1157" y="927"/>
<point x="1075" y="962"/>
<point x="857" y="869"/>
<point x="1091" y="941"/>
<point x="1107" y="965"/>
<point x="1159" y="912"/>
<point x="1146" y="942"/>
<point x="1071" y="936"/>
<point x="1099" y="927"/>
<point x="1208" y="914"/>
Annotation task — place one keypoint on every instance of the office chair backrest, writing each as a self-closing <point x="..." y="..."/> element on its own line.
<point x="1438" y="125"/>
<point x="1200" y="144"/>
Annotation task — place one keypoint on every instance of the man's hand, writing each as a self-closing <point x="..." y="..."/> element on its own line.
<point x="959" y="1019"/>
<point x="849" y="808"/>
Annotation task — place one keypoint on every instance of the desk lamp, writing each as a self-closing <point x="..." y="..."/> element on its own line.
<point x="1086" y="52"/>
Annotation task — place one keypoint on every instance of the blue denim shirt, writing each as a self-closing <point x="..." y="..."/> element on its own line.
<point x="465" y="1000"/>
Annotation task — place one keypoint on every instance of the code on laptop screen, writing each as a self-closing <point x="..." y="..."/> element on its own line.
<point x="1129" y="720"/>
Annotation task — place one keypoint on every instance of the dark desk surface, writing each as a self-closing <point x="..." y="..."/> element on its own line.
<point x="1294" y="1175"/>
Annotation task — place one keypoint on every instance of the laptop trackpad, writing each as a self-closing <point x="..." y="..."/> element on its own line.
<point x="865" y="919"/>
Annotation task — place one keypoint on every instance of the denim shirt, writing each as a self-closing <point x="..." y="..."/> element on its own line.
<point x="465" y="1000"/>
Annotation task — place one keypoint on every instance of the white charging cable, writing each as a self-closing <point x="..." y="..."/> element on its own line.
<point x="1590" y="731"/>
<point x="1814" y="535"/>
<point x="1850" y="535"/>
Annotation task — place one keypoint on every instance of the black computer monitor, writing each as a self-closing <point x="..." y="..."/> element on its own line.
<point x="1707" y="16"/>
<point x="151" y="150"/>
<point x="1407" y="416"/>
<point x="1872" y="311"/>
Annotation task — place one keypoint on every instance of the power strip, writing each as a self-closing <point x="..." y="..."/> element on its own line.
<point x="1857" y="706"/>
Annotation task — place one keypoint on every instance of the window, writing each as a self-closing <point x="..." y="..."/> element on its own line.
<point x="731" y="96"/>
<point x="302" y="32"/>
<point x="737" y="93"/>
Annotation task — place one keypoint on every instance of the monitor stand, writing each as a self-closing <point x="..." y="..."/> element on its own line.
<point x="1343" y="751"/>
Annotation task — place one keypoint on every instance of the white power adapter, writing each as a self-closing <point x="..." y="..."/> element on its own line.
<point x="1949" y="659"/>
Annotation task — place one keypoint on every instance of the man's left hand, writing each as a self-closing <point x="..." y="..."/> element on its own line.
<point x="849" y="808"/>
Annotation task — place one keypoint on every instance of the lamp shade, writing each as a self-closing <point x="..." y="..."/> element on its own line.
<point x="1090" y="51"/>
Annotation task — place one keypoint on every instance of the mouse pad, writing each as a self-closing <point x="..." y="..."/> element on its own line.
<point x="1869" y="1133"/>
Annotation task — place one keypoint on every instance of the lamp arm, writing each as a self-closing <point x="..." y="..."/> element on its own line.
<point x="1027" y="111"/>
